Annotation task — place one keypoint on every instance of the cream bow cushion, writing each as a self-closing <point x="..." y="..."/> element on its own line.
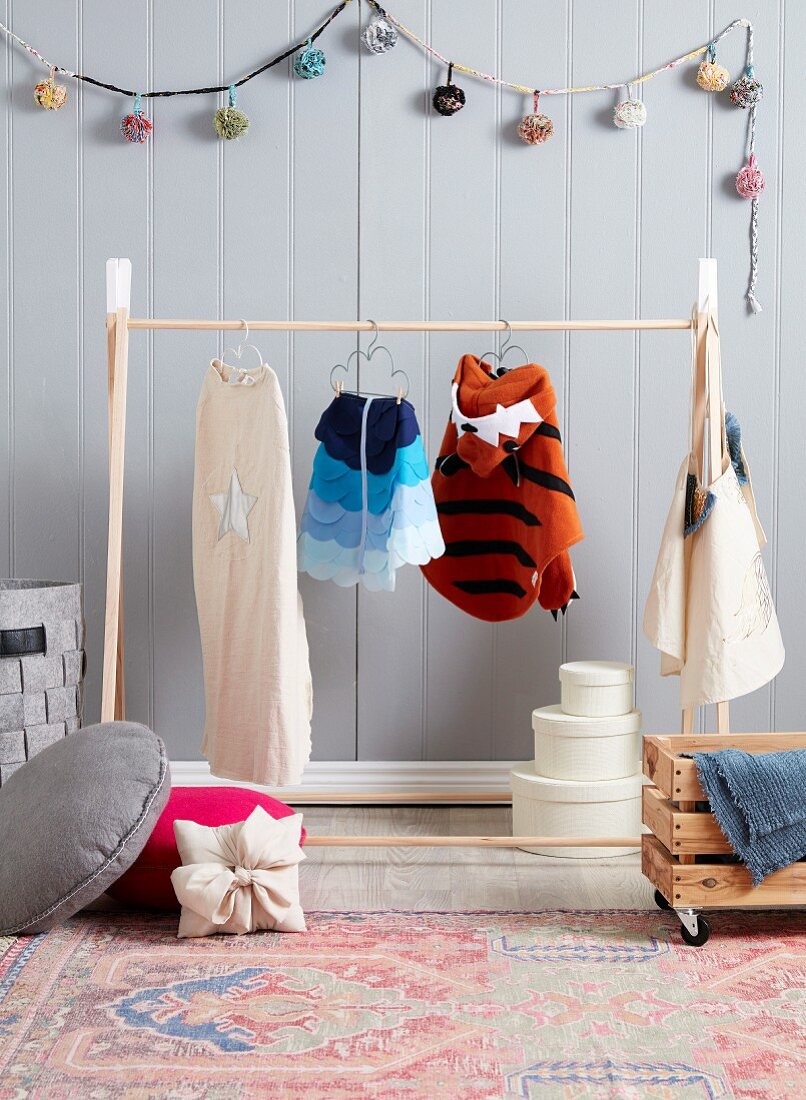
<point x="239" y="878"/>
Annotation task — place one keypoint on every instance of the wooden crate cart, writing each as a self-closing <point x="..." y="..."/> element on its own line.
<point x="681" y="856"/>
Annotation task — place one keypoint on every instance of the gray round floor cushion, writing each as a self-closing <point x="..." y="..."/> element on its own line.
<point x="74" y="818"/>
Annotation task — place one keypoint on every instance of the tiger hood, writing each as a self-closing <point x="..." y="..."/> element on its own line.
<point x="506" y="508"/>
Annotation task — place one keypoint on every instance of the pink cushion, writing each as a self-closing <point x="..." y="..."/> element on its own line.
<point x="147" y="883"/>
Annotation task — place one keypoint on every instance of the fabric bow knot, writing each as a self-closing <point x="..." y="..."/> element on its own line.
<point x="243" y="876"/>
<point x="239" y="878"/>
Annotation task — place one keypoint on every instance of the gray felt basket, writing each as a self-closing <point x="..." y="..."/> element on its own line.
<point x="41" y="667"/>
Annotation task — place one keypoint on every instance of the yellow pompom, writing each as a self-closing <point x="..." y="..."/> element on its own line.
<point x="50" y="95"/>
<point x="712" y="77"/>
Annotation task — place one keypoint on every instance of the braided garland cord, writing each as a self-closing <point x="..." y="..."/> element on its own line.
<point x="181" y="91"/>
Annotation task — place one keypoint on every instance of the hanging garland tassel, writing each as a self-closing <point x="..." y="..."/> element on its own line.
<point x="747" y="91"/>
<point x="630" y="113"/>
<point x="534" y="129"/>
<point x="310" y="62"/>
<point x="449" y="98"/>
<point x="50" y="95"/>
<point x="379" y="36"/>
<point x="136" y="127"/>
<point x="710" y="76"/>
<point x="228" y="121"/>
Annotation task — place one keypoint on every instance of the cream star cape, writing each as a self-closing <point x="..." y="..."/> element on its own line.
<point x="257" y="679"/>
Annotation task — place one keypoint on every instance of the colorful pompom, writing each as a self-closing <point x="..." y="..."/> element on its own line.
<point x="747" y="91"/>
<point x="310" y="62"/>
<point x="449" y="98"/>
<point x="712" y="77"/>
<point x="534" y="129"/>
<point x="750" y="181"/>
<point x="228" y="121"/>
<point x="379" y="36"/>
<point x="136" y="127"/>
<point x="50" y="95"/>
<point x="630" y="113"/>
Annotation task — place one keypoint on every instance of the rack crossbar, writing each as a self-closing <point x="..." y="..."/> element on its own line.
<point x="157" y="323"/>
<point x="473" y="841"/>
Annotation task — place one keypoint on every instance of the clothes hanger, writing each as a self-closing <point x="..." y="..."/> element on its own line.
<point x="506" y="347"/>
<point x="239" y="374"/>
<point x="338" y="383"/>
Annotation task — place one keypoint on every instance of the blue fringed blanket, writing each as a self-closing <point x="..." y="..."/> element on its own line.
<point x="759" y="803"/>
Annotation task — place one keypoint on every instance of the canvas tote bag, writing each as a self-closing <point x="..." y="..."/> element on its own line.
<point x="710" y="610"/>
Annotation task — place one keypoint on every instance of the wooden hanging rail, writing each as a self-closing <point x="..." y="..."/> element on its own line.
<point x="159" y="323"/>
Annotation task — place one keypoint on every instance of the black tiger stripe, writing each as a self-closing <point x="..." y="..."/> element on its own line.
<point x="500" y="587"/>
<point x="469" y="548"/>
<point x="546" y="480"/>
<point x="549" y="430"/>
<point x="489" y="508"/>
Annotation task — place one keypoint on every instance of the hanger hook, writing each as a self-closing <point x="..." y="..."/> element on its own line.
<point x="375" y="337"/>
<point x="246" y="331"/>
<point x="509" y="334"/>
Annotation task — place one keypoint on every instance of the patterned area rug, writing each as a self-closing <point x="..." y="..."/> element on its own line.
<point x="408" y="1005"/>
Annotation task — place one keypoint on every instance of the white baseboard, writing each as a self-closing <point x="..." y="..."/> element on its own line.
<point x="342" y="778"/>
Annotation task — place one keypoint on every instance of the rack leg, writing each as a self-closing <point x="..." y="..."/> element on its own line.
<point x="113" y="620"/>
<point x="120" y="689"/>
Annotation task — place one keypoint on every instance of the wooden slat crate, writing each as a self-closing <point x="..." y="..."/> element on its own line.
<point x="681" y="832"/>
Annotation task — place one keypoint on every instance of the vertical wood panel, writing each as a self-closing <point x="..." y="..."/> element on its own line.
<point x="673" y="213"/>
<point x="748" y="341"/>
<point x="461" y="669"/>
<point x="531" y="243"/>
<point x="115" y="222"/>
<point x="601" y="397"/>
<point x="325" y="281"/>
<point x="186" y="283"/>
<point x="6" y="326"/>
<point x="787" y="551"/>
<point x="45" y="484"/>
<point x="392" y="629"/>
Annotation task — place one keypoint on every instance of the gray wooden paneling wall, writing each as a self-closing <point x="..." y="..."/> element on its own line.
<point x="349" y="197"/>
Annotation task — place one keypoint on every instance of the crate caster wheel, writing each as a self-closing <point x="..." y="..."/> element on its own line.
<point x="698" y="938"/>
<point x="661" y="901"/>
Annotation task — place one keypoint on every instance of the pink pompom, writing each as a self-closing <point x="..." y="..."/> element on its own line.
<point x="750" y="181"/>
<point x="136" y="127"/>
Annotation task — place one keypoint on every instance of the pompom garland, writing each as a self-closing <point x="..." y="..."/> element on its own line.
<point x="712" y="77"/>
<point x="136" y="127"/>
<point x="449" y="98"/>
<point x="747" y="91"/>
<point x="50" y="95"/>
<point x="310" y="62"/>
<point x="535" y="128"/>
<point x="630" y="113"/>
<point x="228" y="121"/>
<point x="750" y="181"/>
<point x="379" y="36"/>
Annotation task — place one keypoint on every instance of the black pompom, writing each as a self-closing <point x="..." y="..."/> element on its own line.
<point x="448" y="99"/>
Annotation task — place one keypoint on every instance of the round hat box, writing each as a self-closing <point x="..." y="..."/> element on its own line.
<point x="559" y="807"/>
<point x="588" y="749"/>
<point x="596" y="689"/>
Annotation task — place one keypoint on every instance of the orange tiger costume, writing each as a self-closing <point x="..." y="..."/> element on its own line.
<point x="506" y="509"/>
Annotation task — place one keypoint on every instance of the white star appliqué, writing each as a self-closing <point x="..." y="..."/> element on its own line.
<point x="233" y="507"/>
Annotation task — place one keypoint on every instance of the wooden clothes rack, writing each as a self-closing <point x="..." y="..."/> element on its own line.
<point x="119" y="324"/>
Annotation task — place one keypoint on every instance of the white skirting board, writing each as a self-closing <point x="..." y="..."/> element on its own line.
<point x="361" y="778"/>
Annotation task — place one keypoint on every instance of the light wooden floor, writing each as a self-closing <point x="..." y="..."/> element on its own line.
<point x="455" y="878"/>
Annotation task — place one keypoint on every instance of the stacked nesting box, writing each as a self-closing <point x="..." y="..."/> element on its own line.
<point x="41" y="667"/>
<point x="585" y="779"/>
